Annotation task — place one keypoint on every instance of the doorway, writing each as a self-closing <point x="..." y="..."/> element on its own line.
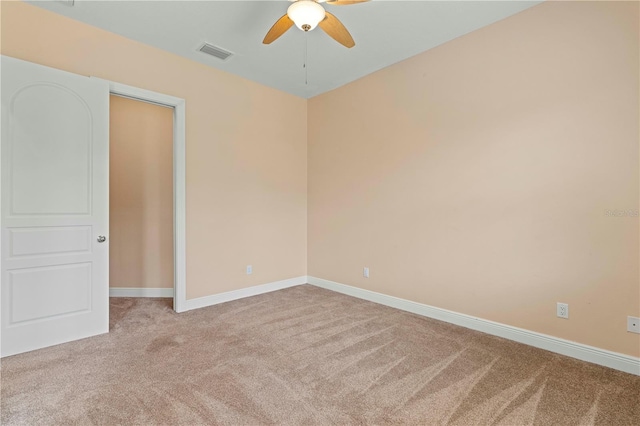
<point x="177" y="105"/>
<point x="140" y="199"/>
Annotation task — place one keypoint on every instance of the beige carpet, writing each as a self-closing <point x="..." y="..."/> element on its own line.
<point x="304" y="356"/>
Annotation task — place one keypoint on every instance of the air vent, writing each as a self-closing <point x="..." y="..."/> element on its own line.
<point x="212" y="50"/>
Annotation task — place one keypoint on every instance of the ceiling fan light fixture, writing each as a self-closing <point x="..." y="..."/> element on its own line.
<point x="306" y="14"/>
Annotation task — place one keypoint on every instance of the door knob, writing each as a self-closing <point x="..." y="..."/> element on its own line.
<point x="102" y="239"/>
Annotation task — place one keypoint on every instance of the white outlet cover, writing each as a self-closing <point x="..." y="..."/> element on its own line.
<point x="249" y="269"/>
<point x="562" y="310"/>
<point x="365" y="272"/>
<point x="633" y="324"/>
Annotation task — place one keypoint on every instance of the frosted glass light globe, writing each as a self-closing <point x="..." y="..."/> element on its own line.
<point x="306" y="14"/>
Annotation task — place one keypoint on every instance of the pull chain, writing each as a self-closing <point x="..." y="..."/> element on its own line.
<point x="306" y="69"/>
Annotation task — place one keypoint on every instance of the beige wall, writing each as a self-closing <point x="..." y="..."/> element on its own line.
<point x="246" y="147"/>
<point x="140" y="194"/>
<point x="475" y="177"/>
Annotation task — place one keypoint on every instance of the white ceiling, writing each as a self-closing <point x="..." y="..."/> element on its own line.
<point x="385" y="32"/>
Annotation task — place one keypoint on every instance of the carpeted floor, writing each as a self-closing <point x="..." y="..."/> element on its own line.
<point x="304" y="356"/>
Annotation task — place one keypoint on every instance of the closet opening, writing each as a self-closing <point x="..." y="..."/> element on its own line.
<point x="141" y="198"/>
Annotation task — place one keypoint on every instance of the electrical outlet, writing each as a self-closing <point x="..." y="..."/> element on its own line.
<point x="562" y="310"/>
<point x="249" y="269"/>
<point x="365" y="272"/>
<point x="633" y="325"/>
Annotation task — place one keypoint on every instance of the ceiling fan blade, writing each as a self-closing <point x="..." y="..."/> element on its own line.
<point x="280" y="27"/>
<point x="345" y="2"/>
<point x="332" y="26"/>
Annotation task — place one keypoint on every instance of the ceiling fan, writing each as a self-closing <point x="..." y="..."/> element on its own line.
<point x="307" y="14"/>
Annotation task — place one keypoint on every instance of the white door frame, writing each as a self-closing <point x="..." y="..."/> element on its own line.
<point x="179" y="181"/>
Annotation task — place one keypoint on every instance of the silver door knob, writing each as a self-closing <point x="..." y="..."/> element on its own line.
<point x="102" y="239"/>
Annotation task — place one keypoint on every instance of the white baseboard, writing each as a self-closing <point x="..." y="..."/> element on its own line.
<point x="587" y="353"/>
<point x="215" y="299"/>
<point x="140" y="292"/>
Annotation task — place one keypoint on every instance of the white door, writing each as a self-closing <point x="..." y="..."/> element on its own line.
<point x="55" y="186"/>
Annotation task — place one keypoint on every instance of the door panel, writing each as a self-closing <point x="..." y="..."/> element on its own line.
<point x="54" y="206"/>
<point x="32" y="291"/>
<point x="49" y="241"/>
<point x="49" y="164"/>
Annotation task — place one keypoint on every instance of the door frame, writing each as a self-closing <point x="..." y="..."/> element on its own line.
<point x="179" y="180"/>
